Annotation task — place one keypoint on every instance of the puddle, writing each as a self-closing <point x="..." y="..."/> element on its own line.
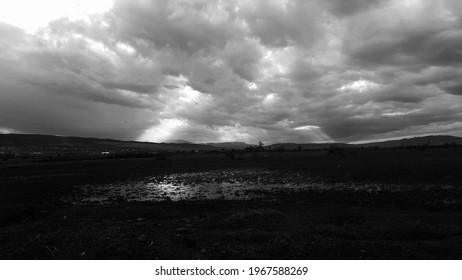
<point x="217" y="184"/>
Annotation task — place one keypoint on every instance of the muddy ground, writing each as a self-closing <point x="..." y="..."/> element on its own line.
<point x="418" y="217"/>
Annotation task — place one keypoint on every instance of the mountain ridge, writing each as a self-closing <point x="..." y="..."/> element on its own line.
<point x="24" y="140"/>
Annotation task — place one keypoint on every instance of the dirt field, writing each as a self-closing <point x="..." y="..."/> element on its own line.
<point x="420" y="219"/>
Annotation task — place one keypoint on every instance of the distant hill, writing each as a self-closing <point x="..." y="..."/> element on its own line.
<point x="229" y="145"/>
<point x="433" y="140"/>
<point x="305" y="146"/>
<point x="36" y="140"/>
<point x="33" y="141"/>
<point x="178" y="141"/>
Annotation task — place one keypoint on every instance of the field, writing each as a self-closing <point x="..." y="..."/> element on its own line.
<point x="370" y="204"/>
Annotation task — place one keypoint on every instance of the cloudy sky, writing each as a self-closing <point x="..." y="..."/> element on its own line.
<point x="202" y="71"/>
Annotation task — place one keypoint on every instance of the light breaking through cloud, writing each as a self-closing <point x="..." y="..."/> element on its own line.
<point x="204" y="71"/>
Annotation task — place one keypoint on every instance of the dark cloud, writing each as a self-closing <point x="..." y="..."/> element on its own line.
<point x="343" y="8"/>
<point x="417" y="46"/>
<point x="455" y="89"/>
<point x="365" y="126"/>
<point x="405" y="94"/>
<point x="187" y="26"/>
<point x="22" y="108"/>
<point x="283" y="23"/>
<point x="302" y="72"/>
<point x="243" y="59"/>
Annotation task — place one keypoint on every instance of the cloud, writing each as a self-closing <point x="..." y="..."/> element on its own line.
<point x="238" y="71"/>
<point x="22" y="108"/>
<point x="342" y="8"/>
<point x="243" y="58"/>
<point x="406" y="93"/>
<point x="186" y="26"/>
<point x="402" y="34"/>
<point x="57" y="89"/>
<point x="283" y="23"/>
<point x="455" y="89"/>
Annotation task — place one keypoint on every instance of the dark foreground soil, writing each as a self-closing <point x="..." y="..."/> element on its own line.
<point x="424" y="222"/>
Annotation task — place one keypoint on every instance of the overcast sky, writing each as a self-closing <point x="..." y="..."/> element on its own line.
<point x="203" y="71"/>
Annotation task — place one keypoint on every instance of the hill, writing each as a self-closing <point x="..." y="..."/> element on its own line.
<point x="38" y="142"/>
<point x="178" y="141"/>
<point x="306" y="146"/>
<point x="229" y="145"/>
<point x="30" y="143"/>
<point x="433" y="140"/>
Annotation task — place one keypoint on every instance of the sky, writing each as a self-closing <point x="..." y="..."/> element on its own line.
<point x="274" y="71"/>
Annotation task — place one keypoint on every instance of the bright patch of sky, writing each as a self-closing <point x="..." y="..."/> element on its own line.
<point x="164" y="131"/>
<point x="306" y="127"/>
<point x="30" y="15"/>
<point x="360" y="86"/>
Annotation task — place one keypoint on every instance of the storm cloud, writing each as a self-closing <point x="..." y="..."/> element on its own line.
<point x="205" y="71"/>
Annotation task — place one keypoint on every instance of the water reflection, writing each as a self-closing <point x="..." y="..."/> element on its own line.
<point x="218" y="184"/>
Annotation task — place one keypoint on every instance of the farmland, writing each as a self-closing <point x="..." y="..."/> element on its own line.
<point x="370" y="204"/>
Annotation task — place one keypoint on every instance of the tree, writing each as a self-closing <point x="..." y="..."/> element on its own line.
<point x="260" y="146"/>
